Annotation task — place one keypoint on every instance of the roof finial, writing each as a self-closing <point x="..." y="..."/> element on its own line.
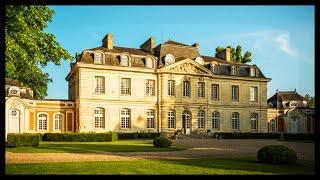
<point x="295" y="89"/>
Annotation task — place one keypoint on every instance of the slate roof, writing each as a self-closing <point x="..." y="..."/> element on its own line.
<point x="285" y="96"/>
<point x="117" y="49"/>
<point x="174" y="43"/>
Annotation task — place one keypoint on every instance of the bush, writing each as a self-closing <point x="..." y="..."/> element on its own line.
<point x="288" y="136"/>
<point x="25" y="139"/>
<point x="81" y="137"/>
<point x="162" y="142"/>
<point x="277" y="154"/>
<point x="138" y="135"/>
<point x="237" y="135"/>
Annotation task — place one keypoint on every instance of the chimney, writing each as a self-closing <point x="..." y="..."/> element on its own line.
<point x="107" y="41"/>
<point x="228" y="54"/>
<point x="148" y="46"/>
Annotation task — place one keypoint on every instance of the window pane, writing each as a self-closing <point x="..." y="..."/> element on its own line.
<point x="186" y="88"/>
<point x="235" y="93"/>
<point x="201" y="119"/>
<point x="170" y="88"/>
<point x="215" y="120"/>
<point x="150" y="87"/>
<point x="150" y="119"/>
<point x="201" y="89"/>
<point x="125" y="86"/>
<point x="99" y="81"/>
<point x="125" y="118"/>
<point x="171" y="119"/>
<point x="215" y="91"/>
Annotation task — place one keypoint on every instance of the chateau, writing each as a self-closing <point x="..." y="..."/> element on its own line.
<point x="163" y="88"/>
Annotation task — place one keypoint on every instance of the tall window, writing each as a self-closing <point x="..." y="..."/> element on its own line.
<point x="235" y="121"/>
<point x="124" y="60"/>
<point x="215" y="91"/>
<point x="254" y="121"/>
<point x="99" y="81"/>
<point x="125" y="118"/>
<point x="98" y="58"/>
<point x="99" y="118"/>
<point x="125" y="86"/>
<point x="171" y="119"/>
<point x="215" y="120"/>
<point x="170" y="88"/>
<point x="42" y="120"/>
<point x="272" y="125"/>
<point x="201" y="89"/>
<point x="186" y="88"/>
<point x="150" y="118"/>
<point x="235" y="93"/>
<point x="58" y="122"/>
<point x="253" y="94"/>
<point x="201" y="119"/>
<point x="150" y="87"/>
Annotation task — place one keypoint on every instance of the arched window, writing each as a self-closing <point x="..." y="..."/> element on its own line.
<point x="99" y="118"/>
<point x="124" y="60"/>
<point x="42" y="122"/>
<point x="149" y="63"/>
<point x="171" y="119"/>
<point x="150" y="118"/>
<point x="235" y="121"/>
<point x="58" y="122"/>
<point x="254" y="121"/>
<point x="98" y="58"/>
<point x="272" y="125"/>
<point x="125" y="118"/>
<point x="201" y="119"/>
<point x="215" y="120"/>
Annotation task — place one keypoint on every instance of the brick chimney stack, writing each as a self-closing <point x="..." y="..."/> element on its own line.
<point x="108" y="41"/>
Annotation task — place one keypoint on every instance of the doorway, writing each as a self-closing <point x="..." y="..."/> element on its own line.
<point x="14" y="121"/>
<point x="186" y="122"/>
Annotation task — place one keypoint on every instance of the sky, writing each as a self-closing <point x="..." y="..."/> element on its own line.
<point x="280" y="38"/>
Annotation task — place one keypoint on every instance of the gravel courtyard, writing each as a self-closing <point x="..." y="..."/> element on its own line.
<point x="197" y="148"/>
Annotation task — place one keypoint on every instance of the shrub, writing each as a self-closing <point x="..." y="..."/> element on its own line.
<point x="25" y="139"/>
<point x="162" y="142"/>
<point x="138" y="135"/>
<point x="81" y="137"/>
<point x="288" y="136"/>
<point x="238" y="135"/>
<point x="277" y="154"/>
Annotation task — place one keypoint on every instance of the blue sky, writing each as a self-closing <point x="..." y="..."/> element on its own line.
<point x="281" y="38"/>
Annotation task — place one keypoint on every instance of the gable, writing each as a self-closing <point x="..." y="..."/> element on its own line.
<point x="186" y="66"/>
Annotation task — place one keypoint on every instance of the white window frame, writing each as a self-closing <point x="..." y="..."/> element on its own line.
<point x="171" y="87"/>
<point x="272" y="126"/>
<point x="57" y="122"/>
<point x="254" y="121"/>
<point x="149" y="62"/>
<point x="253" y="94"/>
<point x="186" y="89"/>
<point x="150" y="90"/>
<point x="125" y="118"/>
<point x="98" y="58"/>
<point x="42" y="119"/>
<point x="201" y="119"/>
<point x="233" y="70"/>
<point x="99" y="118"/>
<point x="215" y="92"/>
<point x="150" y="118"/>
<point x="125" y="84"/>
<point x="234" y="95"/>
<point x="215" y="120"/>
<point x="171" y="119"/>
<point x="252" y="72"/>
<point x="201" y="89"/>
<point x="122" y="60"/>
<point x="235" y="121"/>
<point x="99" y="82"/>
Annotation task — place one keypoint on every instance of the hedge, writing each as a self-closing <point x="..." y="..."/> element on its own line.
<point x="80" y="137"/>
<point x="24" y="139"/>
<point x="237" y="135"/>
<point x="276" y="154"/>
<point x="288" y="136"/>
<point x="138" y="135"/>
<point x="162" y="142"/>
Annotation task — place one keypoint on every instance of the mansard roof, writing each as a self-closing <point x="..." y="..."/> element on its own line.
<point x="174" y="43"/>
<point x="117" y="49"/>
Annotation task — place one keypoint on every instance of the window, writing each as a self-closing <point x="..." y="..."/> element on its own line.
<point x="99" y="81"/>
<point x="215" y="120"/>
<point x="253" y="94"/>
<point x="235" y="121"/>
<point x="272" y="125"/>
<point x="42" y="120"/>
<point x="170" y="88"/>
<point x="150" y="118"/>
<point x="254" y="121"/>
<point x="252" y="72"/>
<point x="214" y="68"/>
<point x="150" y="87"/>
<point x="99" y="118"/>
<point x="98" y="58"/>
<point x="201" y="119"/>
<point x="125" y="118"/>
<point x="186" y="88"/>
<point x="215" y="91"/>
<point x="235" y="93"/>
<point x="125" y="86"/>
<point x="58" y="122"/>
<point x="233" y="70"/>
<point x="149" y="63"/>
<point x="201" y="89"/>
<point x="171" y="119"/>
<point x="124" y="60"/>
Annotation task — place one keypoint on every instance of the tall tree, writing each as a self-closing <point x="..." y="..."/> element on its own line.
<point x="238" y="53"/>
<point x="235" y="54"/>
<point x="28" y="47"/>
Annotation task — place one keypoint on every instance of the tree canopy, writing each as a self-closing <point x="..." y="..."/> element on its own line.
<point x="310" y="100"/>
<point x="236" y="54"/>
<point x="28" y="47"/>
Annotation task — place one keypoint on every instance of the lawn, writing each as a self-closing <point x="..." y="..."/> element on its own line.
<point x="189" y="166"/>
<point x="93" y="147"/>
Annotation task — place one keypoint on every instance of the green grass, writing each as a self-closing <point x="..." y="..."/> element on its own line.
<point x="93" y="147"/>
<point x="190" y="166"/>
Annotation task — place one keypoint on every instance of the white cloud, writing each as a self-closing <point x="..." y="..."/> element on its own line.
<point x="283" y="41"/>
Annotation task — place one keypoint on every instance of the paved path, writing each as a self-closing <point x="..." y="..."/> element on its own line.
<point x="197" y="148"/>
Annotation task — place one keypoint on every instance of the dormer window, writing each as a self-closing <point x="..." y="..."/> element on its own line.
<point x="14" y="91"/>
<point x="252" y="72"/>
<point x="214" y="68"/>
<point x="293" y="104"/>
<point x="98" y="58"/>
<point x="199" y="60"/>
<point x="169" y="59"/>
<point x="124" y="60"/>
<point x="149" y="62"/>
<point x="233" y="70"/>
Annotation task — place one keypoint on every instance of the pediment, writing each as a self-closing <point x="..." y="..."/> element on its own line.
<point x="186" y="66"/>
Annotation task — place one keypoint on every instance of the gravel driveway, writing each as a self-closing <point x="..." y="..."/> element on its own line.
<point x="197" y="148"/>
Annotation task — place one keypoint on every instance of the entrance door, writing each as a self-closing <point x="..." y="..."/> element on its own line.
<point x="294" y="125"/>
<point x="14" y="116"/>
<point x="186" y="118"/>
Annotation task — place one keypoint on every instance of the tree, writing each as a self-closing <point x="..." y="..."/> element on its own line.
<point x="28" y="47"/>
<point x="247" y="57"/>
<point x="310" y="100"/>
<point x="238" y="54"/>
<point x="235" y="54"/>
